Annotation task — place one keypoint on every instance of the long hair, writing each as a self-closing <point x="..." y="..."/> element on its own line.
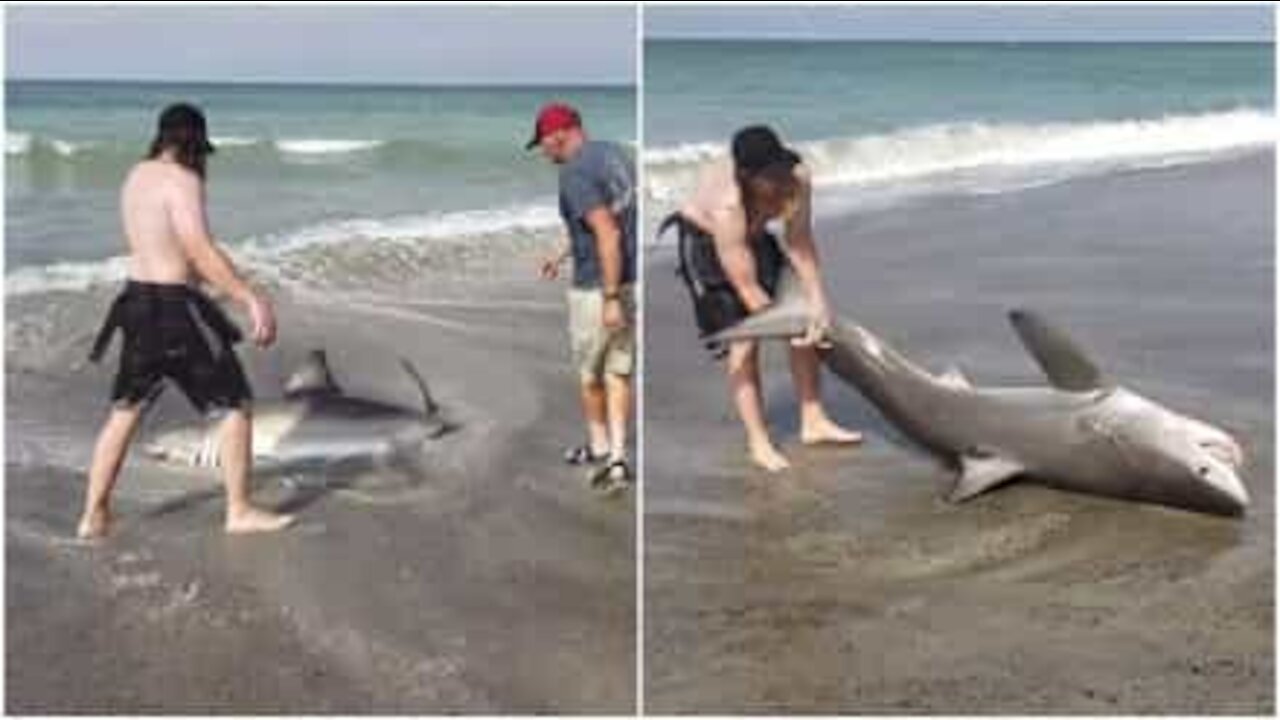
<point x="760" y="158"/>
<point x="181" y="129"/>
<point x="780" y="174"/>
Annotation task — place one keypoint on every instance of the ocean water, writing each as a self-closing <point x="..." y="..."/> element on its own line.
<point x="296" y="166"/>
<point x="883" y="121"/>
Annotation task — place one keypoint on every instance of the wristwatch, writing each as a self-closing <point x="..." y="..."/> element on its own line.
<point x="612" y="294"/>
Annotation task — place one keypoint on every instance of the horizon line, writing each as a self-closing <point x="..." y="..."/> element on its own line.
<point x="956" y="41"/>
<point x="445" y="85"/>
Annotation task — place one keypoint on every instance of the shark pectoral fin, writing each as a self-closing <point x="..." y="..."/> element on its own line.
<point x="953" y="377"/>
<point x="980" y="473"/>
<point x="787" y="317"/>
<point x="1065" y="364"/>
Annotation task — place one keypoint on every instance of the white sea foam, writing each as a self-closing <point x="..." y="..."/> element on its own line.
<point x="264" y="252"/>
<point x="324" y="146"/>
<point x="17" y="143"/>
<point x="456" y="225"/>
<point x="66" y="148"/>
<point x="233" y="141"/>
<point x="66" y="276"/>
<point x="23" y="143"/>
<point x="685" y="153"/>
<point x="935" y="150"/>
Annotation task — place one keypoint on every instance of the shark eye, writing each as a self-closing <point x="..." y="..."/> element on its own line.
<point x="1203" y="470"/>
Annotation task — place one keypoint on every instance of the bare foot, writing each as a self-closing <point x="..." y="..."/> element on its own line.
<point x="827" y="432"/>
<point x="767" y="457"/>
<point x="255" y="520"/>
<point x="94" y="524"/>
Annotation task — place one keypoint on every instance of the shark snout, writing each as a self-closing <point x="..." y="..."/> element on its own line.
<point x="1218" y="467"/>
<point x="1223" y="483"/>
<point x="1225" y="449"/>
<point x="1209" y="459"/>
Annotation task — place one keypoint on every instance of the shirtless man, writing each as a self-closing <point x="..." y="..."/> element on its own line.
<point x="173" y="331"/>
<point x="732" y="263"/>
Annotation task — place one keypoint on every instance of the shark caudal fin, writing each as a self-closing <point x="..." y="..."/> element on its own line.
<point x="787" y="316"/>
<point x="311" y="378"/>
<point x="429" y="406"/>
<point x="1065" y="364"/>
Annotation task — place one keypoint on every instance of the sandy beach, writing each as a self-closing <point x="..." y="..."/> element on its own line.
<point x="848" y="585"/>
<point x="490" y="580"/>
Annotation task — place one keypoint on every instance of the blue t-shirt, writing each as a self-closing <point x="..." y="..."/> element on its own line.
<point x="601" y="174"/>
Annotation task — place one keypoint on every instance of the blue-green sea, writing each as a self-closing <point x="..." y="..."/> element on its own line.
<point x="295" y="165"/>
<point x="880" y="119"/>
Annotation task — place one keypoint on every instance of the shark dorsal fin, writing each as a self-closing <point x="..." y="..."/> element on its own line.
<point x="979" y="472"/>
<point x="1066" y="366"/>
<point x="429" y="406"/>
<point x="312" y="377"/>
<point x="787" y="317"/>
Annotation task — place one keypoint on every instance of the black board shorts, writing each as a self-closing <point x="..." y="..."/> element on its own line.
<point x="173" y="332"/>
<point x="716" y="304"/>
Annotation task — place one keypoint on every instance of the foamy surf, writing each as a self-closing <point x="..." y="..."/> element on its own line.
<point x="267" y="252"/>
<point x="937" y="150"/>
<point x="66" y="148"/>
<point x="65" y="276"/>
<point x="322" y="146"/>
<point x="457" y="225"/>
<point x="230" y="141"/>
<point x="18" y="144"/>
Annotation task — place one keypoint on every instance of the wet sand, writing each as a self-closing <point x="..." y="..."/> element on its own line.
<point x="848" y="585"/>
<point x="488" y="580"/>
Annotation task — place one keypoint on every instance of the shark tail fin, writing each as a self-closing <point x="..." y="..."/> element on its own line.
<point x="1065" y="364"/>
<point x="787" y="316"/>
<point x="429" y="406"/>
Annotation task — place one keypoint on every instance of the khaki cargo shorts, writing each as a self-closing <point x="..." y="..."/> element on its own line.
<point x="597" y="351"/>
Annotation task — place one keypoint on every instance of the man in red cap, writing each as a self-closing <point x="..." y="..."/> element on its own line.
<point x="598" y="206"/>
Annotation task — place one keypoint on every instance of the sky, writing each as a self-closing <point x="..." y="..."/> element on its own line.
<point x="973" y="23"/>
<point x="564" y="45"/>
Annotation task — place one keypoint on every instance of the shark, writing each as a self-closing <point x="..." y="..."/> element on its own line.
<point x="315" y="424"/>
<point x="1081" y="432"/>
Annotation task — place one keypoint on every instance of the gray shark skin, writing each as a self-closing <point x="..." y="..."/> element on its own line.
<point x="1081" y="433"/>
<point x="315" y="424"/>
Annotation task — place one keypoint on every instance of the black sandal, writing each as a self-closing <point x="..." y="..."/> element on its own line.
<point x="582" y="455"/>
<point x="614" y="475"/>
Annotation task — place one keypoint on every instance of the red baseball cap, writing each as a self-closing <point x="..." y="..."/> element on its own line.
<point x="551" y="118"/>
